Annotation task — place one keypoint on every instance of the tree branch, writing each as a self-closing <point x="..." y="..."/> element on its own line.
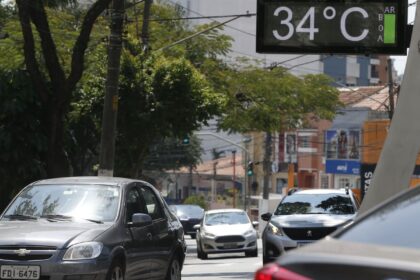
<point x="78" y="56"/>
<point x="49" y="50"/>
<point x="29" y="50"/>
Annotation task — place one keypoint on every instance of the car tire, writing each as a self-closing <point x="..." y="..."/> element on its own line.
<point x="253" y="253"/>
<point x="116" y="271"/>
<point x="200" y="254"/>
<point x="174" y="269"/>
<point x="193" y="235"/>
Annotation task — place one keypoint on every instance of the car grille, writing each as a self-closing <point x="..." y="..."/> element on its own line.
<point x="32" y="253"/>
<point x="308" y="233"/>
<point x="230" y="238"/>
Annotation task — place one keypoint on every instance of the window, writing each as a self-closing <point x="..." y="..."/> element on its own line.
<point x="152" y="203"/>
<point x="343" y="182"/>
<point x="304" y="142"/>
<point x="325" y="181"/>
<point x="135" y="204"/>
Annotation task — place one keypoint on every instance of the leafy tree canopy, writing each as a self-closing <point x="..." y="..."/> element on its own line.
<point x="269" y="101"/>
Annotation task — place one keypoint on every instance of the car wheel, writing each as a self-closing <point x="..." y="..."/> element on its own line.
<point x="200" y="253"/>
<point x="116" y="271"/>
<point x="174" y="270"/>
<point x="192" y="235"/>
<point x="253" y="253"/>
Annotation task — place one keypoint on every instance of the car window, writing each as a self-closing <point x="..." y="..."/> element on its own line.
<point x="192" y="211"/>
<point x="229" y="218"/>
<point x="135" y="204"/>
<point x="96" y="202"/>
<point x="315" y="204"/>
<point x="152" y="203"/>
<point x="395" y="225"/>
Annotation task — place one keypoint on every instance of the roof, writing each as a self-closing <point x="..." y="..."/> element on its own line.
<point x="95" y="180"/>
<point x="224" y="211"/>
<point x="372" y="97"/>
<point x="321" y="191"/>
<point x="224" y="167"/>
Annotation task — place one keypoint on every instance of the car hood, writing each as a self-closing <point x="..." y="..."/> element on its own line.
<point x="335" y="251"/>
<point x="224" y="230"/>
<point x="310" y="220"/>
<point x="45" y="233"/>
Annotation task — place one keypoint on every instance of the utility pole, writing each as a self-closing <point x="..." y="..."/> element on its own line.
<point x="267" y="164"/>
<point x="390" y="89"/>
<point x="109" y="116"/>
<point x="234" y="179"/>
<point x="145" y="27"/>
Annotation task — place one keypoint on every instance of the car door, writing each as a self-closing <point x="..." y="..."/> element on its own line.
<point x="163" y="235"/>
<point x="138" y="242"/>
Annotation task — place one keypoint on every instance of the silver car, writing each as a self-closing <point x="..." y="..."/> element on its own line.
<point x="90" y="228"/>
<point x="381" y="244"/>
<point x="304" y="217"/>
<point x="226" y="231"/>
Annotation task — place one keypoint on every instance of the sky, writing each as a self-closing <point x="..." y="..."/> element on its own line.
<point x="400" y="61"/>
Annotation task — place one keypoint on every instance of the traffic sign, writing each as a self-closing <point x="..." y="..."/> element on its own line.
<point x="326" y="26"/>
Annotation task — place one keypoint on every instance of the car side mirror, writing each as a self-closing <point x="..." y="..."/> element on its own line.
<point x="255" y="224"/>
<point x="196" y="227"/>
<point x="140" y="220"/>
<point x="266" y="216"/>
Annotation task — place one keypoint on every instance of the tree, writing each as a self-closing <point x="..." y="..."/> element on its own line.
<point x="270" y="101"/>
<point x="53" y="85"/>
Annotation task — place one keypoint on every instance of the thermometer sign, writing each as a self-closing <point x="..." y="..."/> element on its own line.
<point x="308" y="26"/>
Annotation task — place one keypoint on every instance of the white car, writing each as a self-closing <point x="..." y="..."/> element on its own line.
<point x="226" y="231"/>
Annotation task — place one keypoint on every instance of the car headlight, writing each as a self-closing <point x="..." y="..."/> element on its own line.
<point x="274" y="229"/>
<point x="209" y="235"/>
<point x="249" y="232"/>
<point x="83" y="251"/>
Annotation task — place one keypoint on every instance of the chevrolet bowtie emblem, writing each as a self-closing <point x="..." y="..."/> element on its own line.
<point x="22" y="252"/>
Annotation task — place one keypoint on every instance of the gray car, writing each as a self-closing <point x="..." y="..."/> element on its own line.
<point x="304" y="217"/>
<point x="381" y="244"/>
<point x="90" y="228"/>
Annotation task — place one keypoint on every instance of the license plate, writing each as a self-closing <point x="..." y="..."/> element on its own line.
<point x="230" y="245"/>
<point x="20" y="272"/>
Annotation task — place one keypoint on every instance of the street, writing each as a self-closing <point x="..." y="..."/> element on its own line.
<point x="219" y="266"/>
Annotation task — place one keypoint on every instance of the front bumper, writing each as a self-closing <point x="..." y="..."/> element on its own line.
<point x="55" y="268"/>
<point x="275" y="245"/>
<point x="222" y="244"/>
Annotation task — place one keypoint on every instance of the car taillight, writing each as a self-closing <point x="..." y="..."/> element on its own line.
<point x="276" y="272"/>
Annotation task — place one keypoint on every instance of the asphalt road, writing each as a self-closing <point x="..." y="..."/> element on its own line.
<point x="219" y="266"/>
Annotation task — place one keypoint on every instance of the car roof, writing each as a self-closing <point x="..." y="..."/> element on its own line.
<point x="224" y="211"/>
<point x="91" y="180"/>
<point x="322" y="191"/>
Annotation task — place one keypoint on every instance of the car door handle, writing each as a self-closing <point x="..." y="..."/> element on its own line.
<point x="149" y="236"/>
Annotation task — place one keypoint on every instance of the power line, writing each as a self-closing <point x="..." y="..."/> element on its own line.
<point x="234" y="28"/>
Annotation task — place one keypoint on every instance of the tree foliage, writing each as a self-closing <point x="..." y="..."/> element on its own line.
<point x="269" y="101"/>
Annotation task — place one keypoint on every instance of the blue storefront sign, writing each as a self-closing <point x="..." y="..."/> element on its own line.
<point x="351" y="167"/>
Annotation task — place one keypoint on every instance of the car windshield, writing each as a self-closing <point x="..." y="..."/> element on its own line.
<point x="394" y="225"/>
<point x="191" y="211"/>
<point x="315" y="204"/>
<point x="88" y="202"/>
<point x="226" y="218"/>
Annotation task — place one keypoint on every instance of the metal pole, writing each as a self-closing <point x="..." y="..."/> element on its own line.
<point x="390" y="89"/>
<point x="109" y="117"/>
<point x="233" y="179"/>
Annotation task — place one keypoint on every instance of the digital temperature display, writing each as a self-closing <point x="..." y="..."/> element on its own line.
<point x="331" y="27"/>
